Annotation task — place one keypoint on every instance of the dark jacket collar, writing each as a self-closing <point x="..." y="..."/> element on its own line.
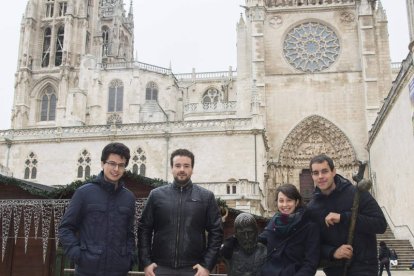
<point x="107" y="186"/>
<point x="187" y="186"/>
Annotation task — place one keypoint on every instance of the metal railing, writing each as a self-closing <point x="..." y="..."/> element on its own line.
<point x="72" y="272"/>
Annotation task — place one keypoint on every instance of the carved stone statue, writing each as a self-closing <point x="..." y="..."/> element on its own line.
<point x="242" y="253"/>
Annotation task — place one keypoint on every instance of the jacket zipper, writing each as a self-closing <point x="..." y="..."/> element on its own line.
<point x="108" y="209"/>
<point x="178" y="227"/>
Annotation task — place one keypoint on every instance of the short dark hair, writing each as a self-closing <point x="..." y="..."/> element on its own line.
<point x="182" y="152"/>
<point x="291" y="192"/>
<point x="115" y="148"/>
<point x="320" y="159"/>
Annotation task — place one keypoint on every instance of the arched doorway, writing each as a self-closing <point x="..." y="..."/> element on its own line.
<point x="312" y="136"/>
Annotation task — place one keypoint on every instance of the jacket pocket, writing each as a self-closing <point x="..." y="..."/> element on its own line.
<point x="118" y="260"/>
<point x="90" y="257"/>
<point x="95" y="213"/>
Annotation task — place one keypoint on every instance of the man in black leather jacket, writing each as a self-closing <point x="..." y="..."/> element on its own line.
<point x="331" y="208"/>
<point x="172" y="230"/>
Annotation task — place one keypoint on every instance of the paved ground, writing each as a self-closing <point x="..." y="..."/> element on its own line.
<point x="393" y="273"/>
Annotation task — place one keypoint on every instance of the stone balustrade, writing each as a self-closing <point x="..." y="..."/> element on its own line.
<point x="305" y="3"/>
<point x="218" y="75"/>
<point x="210" y="107"/>
<point x="234" y="189"/>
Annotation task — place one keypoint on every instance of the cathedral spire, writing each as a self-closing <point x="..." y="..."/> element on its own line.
<point x="131" y="10"/>
<point x="381" y="14"/>
<point x="241" y="22"/>
<point x="365" y="8"/>
<point x="410" y="15"/>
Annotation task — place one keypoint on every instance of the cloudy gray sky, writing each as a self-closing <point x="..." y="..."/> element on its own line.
<point x="198" y="34"/>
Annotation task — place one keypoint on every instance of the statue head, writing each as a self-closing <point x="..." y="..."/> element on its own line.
<point x="246" y="232"/>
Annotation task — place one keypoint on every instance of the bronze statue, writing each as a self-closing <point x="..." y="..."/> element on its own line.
<point x="242" y="253"/>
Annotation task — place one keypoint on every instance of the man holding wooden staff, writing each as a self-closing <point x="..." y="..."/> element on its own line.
<point x="349" y="219"/>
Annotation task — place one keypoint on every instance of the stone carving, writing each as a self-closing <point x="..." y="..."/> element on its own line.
<point x="313" y="136"/>
<point x="275" y="22"/>
<point x="114" y="119"/>
<point x="289" y="3"/>
<point x="347" y="17"/>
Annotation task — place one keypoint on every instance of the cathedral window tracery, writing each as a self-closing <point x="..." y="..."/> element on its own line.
<point x="106" y="49"/>
<point x="50" y="4"/>
<point x="139" y="161"/>
<point x="47" y="37"/>
<point x="151" y="92"/>
<point x="211" y="97"/>
<point x="115" y="96"/>
<point x="30" y="171"/>
<point x="311" y="47"/>
<point x="59" y="45"/>
<point x="84" y="165"/>
<point x="48" y="105"/>
<point x="62" y="8"/>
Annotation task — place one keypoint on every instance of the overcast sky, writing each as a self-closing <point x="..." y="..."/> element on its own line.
<point x="187" y="34"/>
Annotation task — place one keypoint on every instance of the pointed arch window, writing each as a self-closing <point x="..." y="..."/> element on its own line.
<point x="30" y="166"/>
<point x="151" y="92"/>
<point x="139" y="161"/>
<point x="48" y="105"/>
<point x="47" y="37"/>
<point x="115" y="96"/>
<point x="105" y="42"/>
<point x="59" y="45"/>
<point x="63" y="6"/>
<point x="84" y="165"/>
<point x="87" y="43"/>
<point x="49" y="8"/>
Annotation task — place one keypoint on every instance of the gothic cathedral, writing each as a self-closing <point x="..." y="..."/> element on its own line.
<point x="311" y="76"/>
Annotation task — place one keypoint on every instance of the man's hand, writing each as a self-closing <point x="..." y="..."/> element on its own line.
<point x="149" y="269"/>
<point x="201" y="271"/>
<point x="345" y="251"/>
<point x="332" y="218"/>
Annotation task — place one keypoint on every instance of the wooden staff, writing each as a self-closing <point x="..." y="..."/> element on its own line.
<point x="362" y="185"/>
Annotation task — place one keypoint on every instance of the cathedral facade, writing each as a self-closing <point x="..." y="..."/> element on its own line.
<point x="311" y="76"/>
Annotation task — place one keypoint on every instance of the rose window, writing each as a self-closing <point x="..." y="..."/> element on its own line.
<point x="311" y="47"/>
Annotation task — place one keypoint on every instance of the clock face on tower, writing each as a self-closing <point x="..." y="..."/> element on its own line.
<point x="311" y="47"/>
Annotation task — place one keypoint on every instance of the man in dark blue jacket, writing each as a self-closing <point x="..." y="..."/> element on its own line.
<point x="172" y="231"/>
<point x="331" y="208"/>
<point x="96" y="230"/>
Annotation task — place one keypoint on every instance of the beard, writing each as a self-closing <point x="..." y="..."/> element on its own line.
<point x="181" y="180"/>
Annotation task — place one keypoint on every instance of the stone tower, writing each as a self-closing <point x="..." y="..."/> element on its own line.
<point x="316" y="72"/>
<point x="54" y="37"/>
<point x="410" y="16"/>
